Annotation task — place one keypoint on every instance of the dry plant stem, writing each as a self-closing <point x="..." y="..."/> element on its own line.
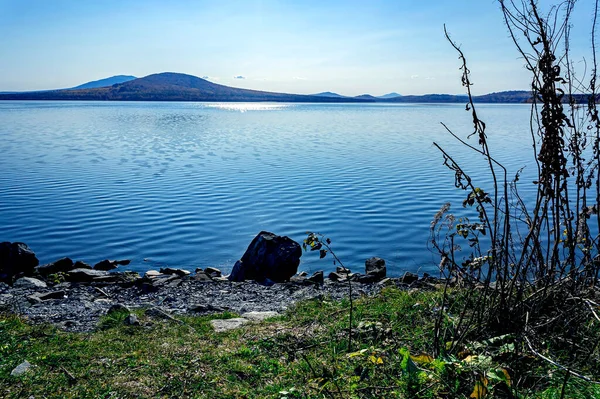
<point x="350" y="322"/>
<point x="543" y="255"/>
<point x="564" y="368"/>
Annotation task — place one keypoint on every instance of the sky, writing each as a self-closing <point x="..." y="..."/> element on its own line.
<point x="351" y="47"/>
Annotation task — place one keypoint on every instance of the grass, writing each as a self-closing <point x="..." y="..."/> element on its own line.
<point x="302" y="354"/>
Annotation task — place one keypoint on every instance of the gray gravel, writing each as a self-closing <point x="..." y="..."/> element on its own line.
<point x="78" y="306"/>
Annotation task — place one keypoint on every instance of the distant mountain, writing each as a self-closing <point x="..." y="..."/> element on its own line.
<point x="328" y="94"/>
<point x="426" y="98"/>
<point x="105" y="82"/>
<point x="512" y="96"/>
<point x="366" y="97"/>
<point x="169" y="86"/>
<point x="390" y="95"/>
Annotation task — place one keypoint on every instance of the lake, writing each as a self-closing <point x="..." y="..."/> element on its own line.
<point x="190" y="184"/>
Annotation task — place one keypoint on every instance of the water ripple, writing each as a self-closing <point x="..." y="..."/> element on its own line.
<point x="190" y="184"/>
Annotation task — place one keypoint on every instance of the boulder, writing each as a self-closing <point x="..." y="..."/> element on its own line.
<point x="269" y="257"/>
<point x="16" y="258"/>
<point x="60" y="266"/>
<point x="375" y="267"/>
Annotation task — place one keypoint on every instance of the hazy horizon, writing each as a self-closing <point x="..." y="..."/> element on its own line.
<point x="349" y="47"/>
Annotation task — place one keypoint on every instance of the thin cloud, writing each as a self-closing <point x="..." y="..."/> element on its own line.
<point x="429" y="78"/>
<point x="414" y="76"/>
<point x="239" y="77"/>
<point x="298" y="78"/>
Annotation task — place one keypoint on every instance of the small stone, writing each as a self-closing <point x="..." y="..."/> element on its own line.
<point x="342" y="270"/>
<point x="386" y="281"/>
<point x="178" y="272"/>
<point x="166" y="280"/>
<point x="409" y="278"/>
<point x="375" y="267"/>
<point x="106" y="265"/>
<point x="123" y="262"/>
<point x="300" y="280"/>
<point x="364" y="279"/>
<point x="152" y="274"/>
<point x="201" y="276"/>
<point x="213" y="272"/>
<point x="336" y="277"/>
<point x="29" y="282"/>
<point x="21" y="369"/>
<point x="38" y="297"/>
<point x="132" y="320"/>
<point x="220" y="325"/>
<point x="303" y="274"/>
<point x="84" y="275"/>
<point x="60" y="266"/>
<point x="259" y="316"/>
<point x="81" y="265"/>
<point x="317" y="277"/>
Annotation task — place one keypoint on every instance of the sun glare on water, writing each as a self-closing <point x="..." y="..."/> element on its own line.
<point x="243" y="107"/>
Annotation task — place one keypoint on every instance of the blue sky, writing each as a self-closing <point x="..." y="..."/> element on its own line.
<point x="350" y="47"/>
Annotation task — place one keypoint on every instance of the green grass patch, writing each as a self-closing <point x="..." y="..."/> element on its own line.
<point x="302" y="354"/>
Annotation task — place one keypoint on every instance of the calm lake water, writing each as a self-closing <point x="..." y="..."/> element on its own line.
<point x="190" y="184"/>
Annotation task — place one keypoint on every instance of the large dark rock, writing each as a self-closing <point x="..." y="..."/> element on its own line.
<point x="62" y="265"/>
<point x="375" y="267"/>
<point x="268" y="257"/>
<point x="16" y="258"/>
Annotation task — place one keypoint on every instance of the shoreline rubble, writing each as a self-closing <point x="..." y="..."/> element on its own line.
<point x="74" y="295"/>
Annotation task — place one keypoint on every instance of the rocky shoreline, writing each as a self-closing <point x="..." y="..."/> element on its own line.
<point x="74" y="295"/>
<point x="78" y="306"/>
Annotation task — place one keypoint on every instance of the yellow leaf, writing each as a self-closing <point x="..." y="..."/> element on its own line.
<point x="379" y="360"/>
<point x="470" y="359"/>
<point x="422" y="358"/>
<point x="480" y="389"/>
<point x="358" y="353"/>
<point x="508" y="381"/>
